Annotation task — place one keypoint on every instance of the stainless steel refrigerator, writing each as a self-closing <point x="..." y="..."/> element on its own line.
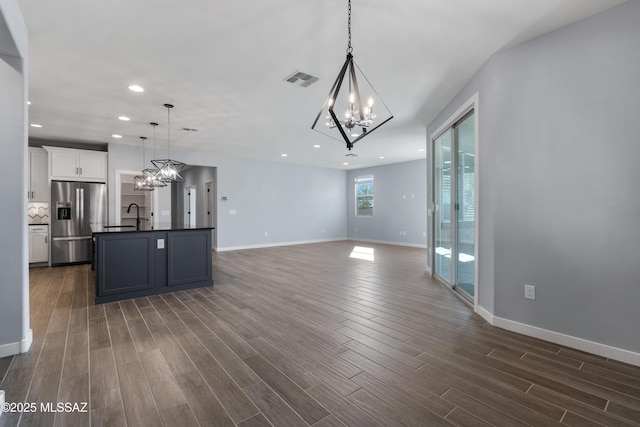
<point x="78" y="209"/>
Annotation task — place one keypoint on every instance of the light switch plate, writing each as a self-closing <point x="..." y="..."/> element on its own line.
<point x="529" y="292"/>
<point x="160" y="243"/>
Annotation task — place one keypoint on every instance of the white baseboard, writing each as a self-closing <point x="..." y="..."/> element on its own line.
<point x="577" y="343"/>
<point x="304" y="242"/>
<point x="388" y="242"/>
<point x="485" y="314"/>
<point x="10" y="349"/>
<point x="26" y="342"/>
<point x="273" y="245"/>
<point x="14" y="348"/>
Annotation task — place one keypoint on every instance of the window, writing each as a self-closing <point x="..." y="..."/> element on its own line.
<point x="364" y="196"/>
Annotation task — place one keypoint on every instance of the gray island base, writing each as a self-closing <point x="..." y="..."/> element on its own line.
<point x="133" y="264"/>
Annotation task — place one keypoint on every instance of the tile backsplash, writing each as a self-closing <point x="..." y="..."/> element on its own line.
<point x="38" y="212"/>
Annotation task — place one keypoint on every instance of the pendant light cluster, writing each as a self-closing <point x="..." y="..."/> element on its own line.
<point x="163" y="171"/>
<point x="355" y="117"/>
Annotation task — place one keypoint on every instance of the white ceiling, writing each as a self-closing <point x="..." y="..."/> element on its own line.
<point x="222" y="64"/>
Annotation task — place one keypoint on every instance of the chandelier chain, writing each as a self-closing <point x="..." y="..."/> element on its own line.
<point x="349" y="48"/>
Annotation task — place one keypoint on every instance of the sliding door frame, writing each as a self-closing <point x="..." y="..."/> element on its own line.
<point x="472" y="104"/>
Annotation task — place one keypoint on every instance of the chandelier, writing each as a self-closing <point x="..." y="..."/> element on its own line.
<point x="347" y="117"/>
<point x="139" y="181"/>
<point x="150" y="174"/>
<point x="168" y="170"/>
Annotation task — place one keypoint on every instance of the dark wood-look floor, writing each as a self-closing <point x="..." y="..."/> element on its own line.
<point x="301" y="335"/>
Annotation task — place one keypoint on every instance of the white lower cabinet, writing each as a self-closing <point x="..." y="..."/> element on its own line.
<point x="38" y="243"/>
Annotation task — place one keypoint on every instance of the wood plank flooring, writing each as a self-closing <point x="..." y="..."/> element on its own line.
<point x="300" y="336"/>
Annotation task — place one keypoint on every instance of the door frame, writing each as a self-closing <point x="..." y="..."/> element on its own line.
<point x="118" y="196"/>
<point x="473" y="103"/>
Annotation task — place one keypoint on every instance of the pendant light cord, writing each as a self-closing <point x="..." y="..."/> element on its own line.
<point x="349" y="48"/>
<point x="143" y="138"/>
<point x="154" y="124"/>
<point x="168" y="131"/>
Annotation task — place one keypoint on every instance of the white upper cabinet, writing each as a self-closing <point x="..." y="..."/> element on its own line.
<point x="38" y="175"/>
<point x="77" y="165"/>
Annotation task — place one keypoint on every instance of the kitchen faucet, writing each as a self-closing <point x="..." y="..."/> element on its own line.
<point x="137" y="214"/>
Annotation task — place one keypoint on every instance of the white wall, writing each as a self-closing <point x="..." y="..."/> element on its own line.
<point x="15" y="334"/>
<point x="558" y="184"/>
<point x="400" y="204"/>
<point x="288" y="202"/>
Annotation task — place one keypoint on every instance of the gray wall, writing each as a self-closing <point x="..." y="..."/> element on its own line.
<point x="400" y="204"/>
<point x="558" y="179"/>
<point x="195" y="176"/>
<point x="14" y="281"/>
<point x="290" y="203"/>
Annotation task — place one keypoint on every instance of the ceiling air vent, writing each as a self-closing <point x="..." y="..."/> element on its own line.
<point x="301" y="79"/>
<point x="351" y="155"/>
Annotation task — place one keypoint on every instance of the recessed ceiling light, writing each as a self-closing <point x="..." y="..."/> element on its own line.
<point x="35" y="125"/>
<point x="420" y="149"/>
<point x="136" y="88"/>
<point x="381" y="157"/>
<point x="116" y="136"/>
<point x="283" y="155"/>
<point x="124" y="118"/>
<point x="316" y="146"/>
<point x="28" y="102"/>
<point x="346" y="164"/>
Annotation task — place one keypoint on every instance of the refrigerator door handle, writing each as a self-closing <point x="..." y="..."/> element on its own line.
<point x="77" y="204"/>
<point x="82" y="207"/>
<point x="63" y="239"/>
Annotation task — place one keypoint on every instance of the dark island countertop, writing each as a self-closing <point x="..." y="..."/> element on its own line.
<point x="99" y="228"/>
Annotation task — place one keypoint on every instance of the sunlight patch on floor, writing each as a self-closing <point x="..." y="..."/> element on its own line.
<point x="361" y="252"/>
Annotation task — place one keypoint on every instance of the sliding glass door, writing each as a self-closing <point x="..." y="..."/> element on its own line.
<point x="442" y="229"/>
<point x="454" y="206"/>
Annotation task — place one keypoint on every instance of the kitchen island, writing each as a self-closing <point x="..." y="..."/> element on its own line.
<point x="132" y="264"/>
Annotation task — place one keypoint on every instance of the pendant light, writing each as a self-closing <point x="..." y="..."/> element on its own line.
<point x="353" y="120"/>
<point x="150" y="174"/>
<point x="139" y="181"/>
<point x="168" y="170"/>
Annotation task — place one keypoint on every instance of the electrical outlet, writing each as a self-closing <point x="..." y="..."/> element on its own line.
<point x="529" y="292"/>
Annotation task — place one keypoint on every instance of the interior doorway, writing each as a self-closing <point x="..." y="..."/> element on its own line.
<point x="190" y="198"/>
<point x="209" y="199"/>
<point x="125" y="195"/>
